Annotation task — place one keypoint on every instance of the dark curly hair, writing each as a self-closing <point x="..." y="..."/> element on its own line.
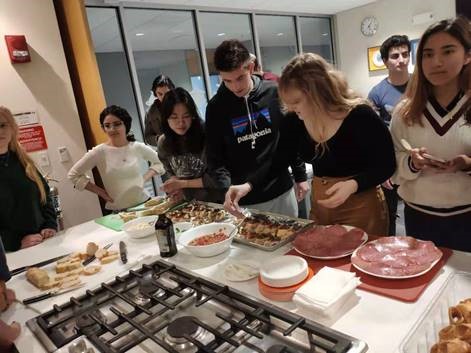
<point x="391" y="42"/>
<point x="193" y="141"/>
<point x="123" y="115"/>
<point x="230" y="55"/>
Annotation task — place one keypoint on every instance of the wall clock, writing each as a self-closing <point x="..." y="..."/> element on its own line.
<point x="369" y="26"/>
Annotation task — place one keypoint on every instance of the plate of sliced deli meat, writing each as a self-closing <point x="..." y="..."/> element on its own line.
<point x="329" y="242"/>
<point x="396" y="257"/>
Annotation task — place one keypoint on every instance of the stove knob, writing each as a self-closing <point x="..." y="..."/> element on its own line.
<point x="90" y="350"/>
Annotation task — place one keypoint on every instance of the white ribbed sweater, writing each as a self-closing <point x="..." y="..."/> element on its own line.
<point x="445" y="137"/>
<point x="121" y="170"/>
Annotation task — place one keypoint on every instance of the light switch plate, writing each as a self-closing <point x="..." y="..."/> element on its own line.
<point x="64" y="155"/>
<point x="43" y="159"/>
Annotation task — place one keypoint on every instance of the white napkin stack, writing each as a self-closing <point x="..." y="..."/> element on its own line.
<point x="327" y="291"/>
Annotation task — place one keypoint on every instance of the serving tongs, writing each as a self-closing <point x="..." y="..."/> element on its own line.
<point x="247" y="214"/>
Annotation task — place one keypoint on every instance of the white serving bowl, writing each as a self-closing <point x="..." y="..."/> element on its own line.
<point x="212" y="249"/>
<point x="140" y="227"/>
<point x="284" y="271"/>
<point x="181" y="227"/>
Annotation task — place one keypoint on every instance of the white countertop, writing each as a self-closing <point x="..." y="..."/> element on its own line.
<point x="381" y="322"/>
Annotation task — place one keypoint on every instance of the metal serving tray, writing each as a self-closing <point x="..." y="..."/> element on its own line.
<point x="278" y="244"/>
<point x="276" y="216"/>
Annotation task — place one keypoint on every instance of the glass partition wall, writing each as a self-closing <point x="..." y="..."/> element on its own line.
<point x="133" y="45"/>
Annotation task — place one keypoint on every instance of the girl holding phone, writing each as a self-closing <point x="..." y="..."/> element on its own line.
<point x="435" y="119"/>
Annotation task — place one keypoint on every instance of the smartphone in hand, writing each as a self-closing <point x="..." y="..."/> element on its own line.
<point x="433" y="158"/>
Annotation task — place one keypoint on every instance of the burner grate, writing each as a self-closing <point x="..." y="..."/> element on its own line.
<point x="121" y="322"/>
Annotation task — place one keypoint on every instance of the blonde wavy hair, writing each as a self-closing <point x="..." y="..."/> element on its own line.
<point x="419" y="89"/>
<point x="25" y="160"/>
<point x="326" y="87"/>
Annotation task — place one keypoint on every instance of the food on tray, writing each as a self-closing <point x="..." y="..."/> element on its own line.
<point x="154" y="201"/>
<point x="91" y="248"/>
<point x="140" y="226"/>
<point x="461" y="313"/>
<point x="451" y="346"/>
<point x="68" y="266"/>
<point x="91" y="270"/>
<point x="127" y="216"/>
<point x="399" y="256"/>
<point x="72" y="273"/>
<point x="37" y="276"/>
<point x="198" y="214"/>
<point x="456" y="338"/>
<point x="209" y="239"/>
<point x="329" y="241"/>
<point x="69" y="269"/>
<point x="461" y="331"/>
<point x="267" y="230"/>
<point x="72" y="282"/>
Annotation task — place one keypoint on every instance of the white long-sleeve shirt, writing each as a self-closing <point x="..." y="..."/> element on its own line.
<point x="120" y="171"/>
<point x="445" y="134"/>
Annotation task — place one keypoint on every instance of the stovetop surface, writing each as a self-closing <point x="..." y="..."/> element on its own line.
<point x="161" y="308"/>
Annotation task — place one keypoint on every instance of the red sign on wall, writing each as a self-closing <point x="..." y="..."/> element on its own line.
<point x="32" y="138"/>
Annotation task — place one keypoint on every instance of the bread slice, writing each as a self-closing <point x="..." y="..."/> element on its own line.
<point x="63" y="275"/>
<point x="91" y="248"/>
<point x="108" y="259"/>
<point x="91" y="270"/>
<point x="100" y="253"/>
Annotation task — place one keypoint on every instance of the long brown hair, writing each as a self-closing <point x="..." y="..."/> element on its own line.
<point x="419" y="88"/>
<point x="326" y="87"/>
<point x="25" y="160"/>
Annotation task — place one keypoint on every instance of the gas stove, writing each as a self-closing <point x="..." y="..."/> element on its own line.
<point x="162" y="308"/>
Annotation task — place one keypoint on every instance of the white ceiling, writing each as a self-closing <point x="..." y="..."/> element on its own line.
<point x="151" y="29"/>
<point x="326" y="7"/>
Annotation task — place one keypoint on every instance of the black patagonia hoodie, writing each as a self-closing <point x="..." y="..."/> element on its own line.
<point x="244" y="143"/>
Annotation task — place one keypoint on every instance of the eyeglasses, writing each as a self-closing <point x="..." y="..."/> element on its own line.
<point x="4" y="126"/>
<point x="110" y="126"/>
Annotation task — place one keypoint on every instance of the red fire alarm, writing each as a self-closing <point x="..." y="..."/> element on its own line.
<point x="18" y="49"/>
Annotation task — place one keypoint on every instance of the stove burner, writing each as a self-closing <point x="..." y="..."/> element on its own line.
<point x="184" y="326"/>
<point x="141" y="299"/>
<point x="87" y="325"/>
<point x="279" y="348"/>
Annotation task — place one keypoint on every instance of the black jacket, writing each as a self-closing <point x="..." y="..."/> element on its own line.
<point x="256" y="148"/>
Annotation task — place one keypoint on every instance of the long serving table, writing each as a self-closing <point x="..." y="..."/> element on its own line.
<point x="382" y="322"/>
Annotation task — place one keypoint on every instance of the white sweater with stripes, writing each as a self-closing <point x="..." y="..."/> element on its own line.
<point x="445" y="134"/>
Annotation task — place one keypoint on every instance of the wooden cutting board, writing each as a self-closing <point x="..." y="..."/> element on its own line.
<point x="406" y="290"/>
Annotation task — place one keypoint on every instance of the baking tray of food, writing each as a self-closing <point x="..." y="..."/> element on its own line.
<point x="199" y="212"/>
<point x="263" y="230"/>
<point x="269" y="231"/>
<point x="444" y="317"/>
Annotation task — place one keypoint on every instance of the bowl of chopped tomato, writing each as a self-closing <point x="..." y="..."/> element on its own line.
<point x="209" y="239"/>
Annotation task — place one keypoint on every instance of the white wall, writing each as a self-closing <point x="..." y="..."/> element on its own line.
<point x="44" y="86"/>
<point x="395" y="17"/>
